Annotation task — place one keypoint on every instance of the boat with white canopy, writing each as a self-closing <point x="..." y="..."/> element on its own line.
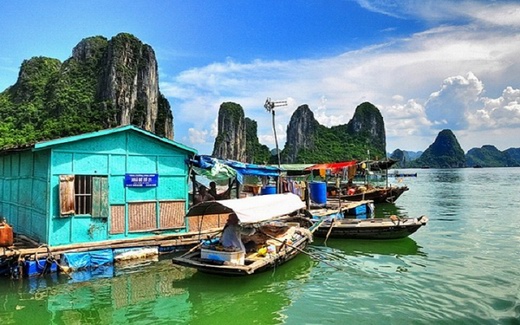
<point x="273" y="242"/>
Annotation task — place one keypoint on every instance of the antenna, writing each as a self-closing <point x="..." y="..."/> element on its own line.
<point x="269" y="106"/>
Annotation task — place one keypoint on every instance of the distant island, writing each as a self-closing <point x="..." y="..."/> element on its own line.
<point x="445" y="152"/>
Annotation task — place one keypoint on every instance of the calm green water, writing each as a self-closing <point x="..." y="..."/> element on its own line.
<point x="462" y="268"/>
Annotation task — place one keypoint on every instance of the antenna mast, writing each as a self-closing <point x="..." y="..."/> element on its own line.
<point x="269" y="106"/>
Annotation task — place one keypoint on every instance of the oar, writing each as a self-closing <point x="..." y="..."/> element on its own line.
<point x="332" y="223"/>
<point x="302" y="251"/>
<point x="198" y="245"/>
<point x="315" y="226"/>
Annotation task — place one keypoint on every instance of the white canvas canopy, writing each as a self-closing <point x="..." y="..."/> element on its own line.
<point x="251" y="209"/>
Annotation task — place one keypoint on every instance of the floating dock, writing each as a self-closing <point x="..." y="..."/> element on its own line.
<point x="27" y="257"/>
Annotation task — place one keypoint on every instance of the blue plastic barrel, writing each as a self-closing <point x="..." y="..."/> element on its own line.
<point x="318" y="192"/>
<point x="269" y="189"/>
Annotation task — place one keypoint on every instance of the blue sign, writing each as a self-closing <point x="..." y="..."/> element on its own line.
<point x="141" y="180"/>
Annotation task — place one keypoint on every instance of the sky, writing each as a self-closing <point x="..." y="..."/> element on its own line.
<point x="426" y="65"/>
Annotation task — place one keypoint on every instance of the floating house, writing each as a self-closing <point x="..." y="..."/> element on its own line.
<point x="120" y="183"/>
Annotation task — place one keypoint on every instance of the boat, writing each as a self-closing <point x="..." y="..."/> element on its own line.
<point x="276" y="241"/>
<point x="372" y="228"/>
<point x="349" y="191"/>
<point x="399" y="174"/>
<point x="377" y="194"/>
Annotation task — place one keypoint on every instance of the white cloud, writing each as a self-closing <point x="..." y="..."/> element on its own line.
<point x="449" y="108"/>
<point x="197" y="136"/>
<point x="487" y="12"/>
<point x="501" y="112"/>
<point x="422" y="83"/>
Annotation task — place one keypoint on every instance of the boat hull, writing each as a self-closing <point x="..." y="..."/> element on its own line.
<point x="252" y="265"/>
<point x="370" y="228"/>
<point x="378" y="195"/>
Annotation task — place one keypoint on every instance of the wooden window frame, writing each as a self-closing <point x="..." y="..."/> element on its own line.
<point x="84" y="195"/>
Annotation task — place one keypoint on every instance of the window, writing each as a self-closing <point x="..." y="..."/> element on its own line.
<point x="84" y="195"/>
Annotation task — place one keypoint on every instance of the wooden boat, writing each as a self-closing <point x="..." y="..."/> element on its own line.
<point x="276" y="241"/>
<point x="399" y="174"/>
<point x="338" y="189"/>
<point x="379" y="194"/>
<point x="372" y="228"/>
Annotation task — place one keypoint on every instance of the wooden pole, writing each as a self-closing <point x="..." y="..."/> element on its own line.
<point x="332" y="222"/>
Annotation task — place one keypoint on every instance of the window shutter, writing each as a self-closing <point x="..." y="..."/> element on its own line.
<point x="66" y="195"/>
<point x="100" y="208"/>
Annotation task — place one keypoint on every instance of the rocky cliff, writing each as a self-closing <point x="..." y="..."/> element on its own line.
<point x="444" y="152"/>
<point x="310" y="142"/>
<point x="367" y="125"/>
<point x="301" y="133"/>
<point x="237" y="137"/>
<point x="129" y="81"/>
<point x="404" y="157"/>
<point x="230" y="142"/>
<point x="105" y="83"/>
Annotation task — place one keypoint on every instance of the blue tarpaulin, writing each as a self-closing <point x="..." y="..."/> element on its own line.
<point x="101" y="257"/>
<point x="77" y="261"/>
<point x="83" y="260"/>
<point x="214" y="167"/>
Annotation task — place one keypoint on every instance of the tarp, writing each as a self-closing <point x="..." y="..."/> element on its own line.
<point x="217" y="169"/>
<point x="251" y="209"/>
<point x="382" y="164"/>
<point x="77" y="261"/>
<point x="333" y="166"/>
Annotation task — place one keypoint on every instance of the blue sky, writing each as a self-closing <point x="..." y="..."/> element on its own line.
<point x="427" y="65"/>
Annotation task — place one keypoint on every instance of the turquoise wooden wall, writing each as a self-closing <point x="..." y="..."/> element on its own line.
<point x="30" y="183"/>
<point x="24" y="192"/>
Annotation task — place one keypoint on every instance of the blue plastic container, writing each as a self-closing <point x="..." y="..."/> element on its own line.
<point x="360" y="209"/>
<point x="318" y="192"/>
<point x="36" y="267"/>
<point x="269" y="189"/>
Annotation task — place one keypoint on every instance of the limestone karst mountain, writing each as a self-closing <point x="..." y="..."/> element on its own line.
<point x="105" y="83"/>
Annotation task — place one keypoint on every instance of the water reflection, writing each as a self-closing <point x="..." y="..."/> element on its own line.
<point x="251" y="299"/>
<point x="131" y="298"/>
<point x="359" y="247"/>
<point x="385" y="210"/>
<point x="160" y="293"/>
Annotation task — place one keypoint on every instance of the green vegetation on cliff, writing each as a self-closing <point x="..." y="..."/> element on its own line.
<point x="256" y="152"/>
<point x="52" y="99"/>
<point x="362" y="138"/>
<point x="445" y="152"/>
<point x="490" y="156"/>
<point x="230" y="118"/>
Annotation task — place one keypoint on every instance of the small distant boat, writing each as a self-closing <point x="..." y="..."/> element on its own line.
<point x="373" y="228"/>
<point x="398" y="174"/>
<point x="279" y="241"/>
<point x="477" y="166"/>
